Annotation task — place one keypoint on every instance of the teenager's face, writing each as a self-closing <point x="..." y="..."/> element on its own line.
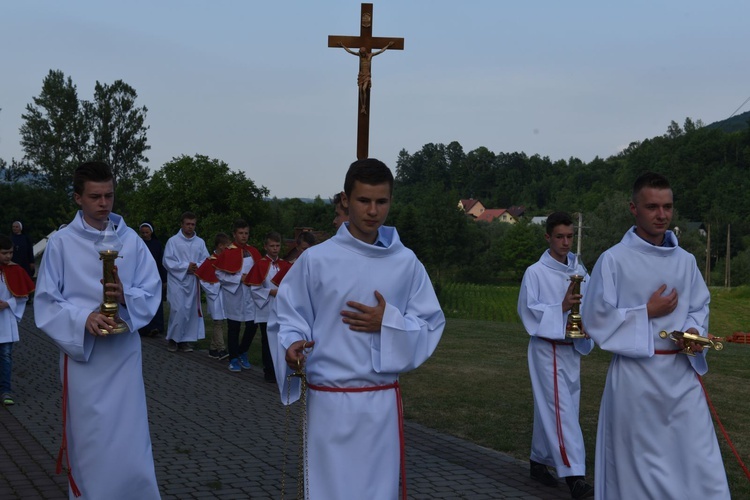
<point x="560" y="242"/>
<point x="652" y="210"/>
<point x="145" y="232"/>
<point x="368" y="207"/>
<point x="188" y="227"/>
<point x="6" y="255"/>
<point x="241" y="235"/>
<point x="220" y="248"/>
<point x="272" y="249"/>
<point x="340" y="216"/>
<point x="96" y="202"/>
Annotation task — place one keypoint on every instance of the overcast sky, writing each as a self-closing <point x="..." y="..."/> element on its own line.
<point x="254" y="84"/>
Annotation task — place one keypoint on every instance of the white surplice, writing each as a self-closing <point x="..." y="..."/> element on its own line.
<point x="237" y="297"/>
<point x="183" y="289"/>
<point x="655" y="437"/>
<point x="540" y="307"/>
<point x="107" y="430"/>
<point x="353" y="439"/>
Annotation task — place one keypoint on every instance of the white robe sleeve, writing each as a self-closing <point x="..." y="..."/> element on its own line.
<point x="17" y="305"/>
<point x="408" y="338"/>
<point x="293" y="309"/>
<point x="261" y="295"/>
<point x="538" y="318"/>
<point x="621" y="330"/>
<point x="229" y="281"/>
<point x="64" y="322"/>
<point x="142" y="289"/>
<point x="697" y="317"/>
<point x="172" y="262"/>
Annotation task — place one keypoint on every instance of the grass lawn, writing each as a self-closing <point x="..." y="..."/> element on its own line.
<point x="476" y="386"/>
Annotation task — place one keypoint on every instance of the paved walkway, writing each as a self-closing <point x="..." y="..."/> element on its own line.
<point x="218" y="434"/>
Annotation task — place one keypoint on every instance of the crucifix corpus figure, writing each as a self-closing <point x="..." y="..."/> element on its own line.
<point x="364" y="78"/>
<point x="362" y="46"/>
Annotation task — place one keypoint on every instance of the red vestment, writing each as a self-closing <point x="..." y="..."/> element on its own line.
<point x="17" y="280"/>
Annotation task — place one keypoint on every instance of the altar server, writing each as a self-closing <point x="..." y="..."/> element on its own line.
<point x="365" y="305"/>
<point x="544" y="305"/>
<point x="184" y="252"/>
<point x="106" y="435"/>
<point x="655" y="437"/>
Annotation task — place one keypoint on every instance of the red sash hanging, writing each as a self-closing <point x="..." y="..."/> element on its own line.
<point x="723" y="430"/>
<point x="64" y="444"/>
<point x="558" y="418"/>
<point x="399" y="405"/>
<point x="715" y="415"/>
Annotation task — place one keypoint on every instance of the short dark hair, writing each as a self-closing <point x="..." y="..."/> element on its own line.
<point x="239" y="224"/>
<point x="90" y="171"/>
<point x="221" y="238"/>
<point x="369" y="171"/>
<point x="556" y="219"/>
<point x="336" y="200"/>
<point x="187" y="216"/>
<point x="337" y="204"/>
<point x="5" y="242"/>
<point x="307" y="237"/>
<point x="272" y="236"/>
<point x="649" y="180"/>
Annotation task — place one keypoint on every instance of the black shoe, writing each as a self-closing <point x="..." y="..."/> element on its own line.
<point x="541" y="474"/>
<point x="223" y="354"/>
<point x="213" y="353"/>
<point x="581" y="489"/>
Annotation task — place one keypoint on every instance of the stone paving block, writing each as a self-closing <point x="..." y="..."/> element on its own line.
<point x="199" y="412"/>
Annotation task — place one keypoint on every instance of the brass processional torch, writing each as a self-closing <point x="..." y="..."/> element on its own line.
<point x="108" y="245"/>
<point x="573" y="329"/>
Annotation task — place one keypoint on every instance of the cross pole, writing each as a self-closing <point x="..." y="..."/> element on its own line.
<point x="362" y="46"/>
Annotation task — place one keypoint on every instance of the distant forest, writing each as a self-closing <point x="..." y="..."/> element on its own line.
<point x="707" y="166"/>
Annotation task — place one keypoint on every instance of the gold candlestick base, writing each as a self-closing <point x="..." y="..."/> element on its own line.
<point x="574" y="330"/>
<point x="108" y="307"/>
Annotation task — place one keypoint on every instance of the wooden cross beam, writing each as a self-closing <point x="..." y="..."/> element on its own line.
<point x="362" y="46"/>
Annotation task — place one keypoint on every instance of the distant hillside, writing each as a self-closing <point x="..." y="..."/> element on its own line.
<point x="733" y="124"/>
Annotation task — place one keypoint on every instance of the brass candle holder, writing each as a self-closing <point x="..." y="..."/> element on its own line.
<point x="109" y="245"/>
<point x="573" y="329"/>
<point x="683" y="339"/>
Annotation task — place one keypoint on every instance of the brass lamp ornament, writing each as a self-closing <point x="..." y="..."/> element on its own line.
<point x="108" y="245"/>
<point x="573" y="330"/>
<point x="683" y="339"/>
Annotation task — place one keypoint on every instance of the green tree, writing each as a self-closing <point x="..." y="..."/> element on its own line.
<point x="55" y="135"/>
<point x="118" y="131"/>
<point x="207" y="187"/>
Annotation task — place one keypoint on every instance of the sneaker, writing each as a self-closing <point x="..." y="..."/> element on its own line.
<point x="185" y="347"/>
<point x="213" y="353"/>
<point x="8" y="400"/>
<point x="581" y="489"/>
<point x="244" y="362"/>
<point x="540" y="473"/>
<point x="172" y="346"/>
<point x="223" y="354"/>
<point x="234" y="365"/>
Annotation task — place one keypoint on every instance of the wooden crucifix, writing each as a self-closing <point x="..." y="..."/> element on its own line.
<point x="363" y="46"/>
